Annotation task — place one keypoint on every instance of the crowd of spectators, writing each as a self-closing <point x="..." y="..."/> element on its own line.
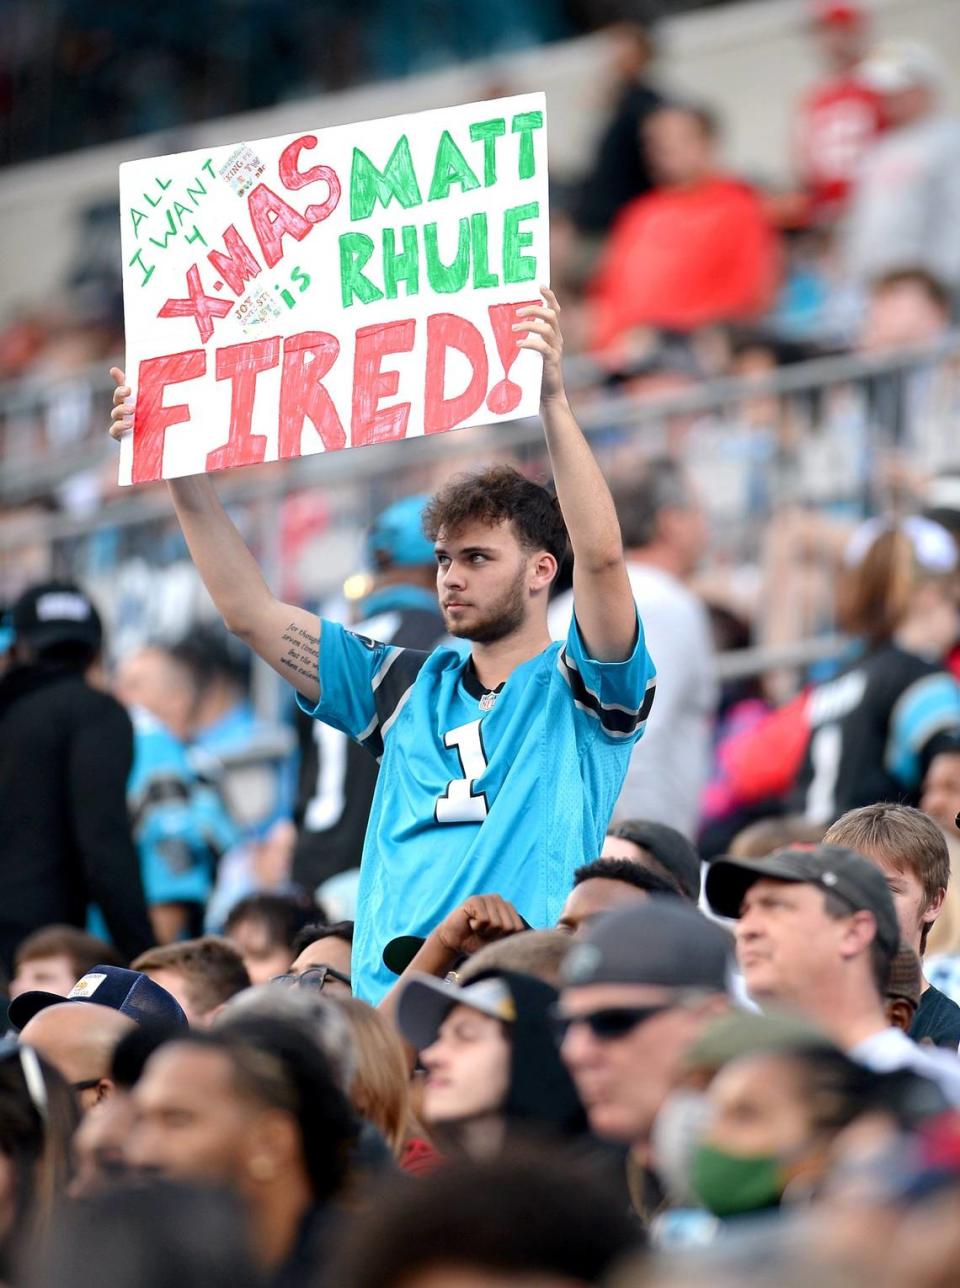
<point x="693" y="1014"/>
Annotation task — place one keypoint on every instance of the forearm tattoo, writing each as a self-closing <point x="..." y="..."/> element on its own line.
<point x="302" y="655"/>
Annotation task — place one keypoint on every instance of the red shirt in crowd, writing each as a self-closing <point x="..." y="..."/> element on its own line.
<point x="681" y="258"/>
<point x="837" y="121"/>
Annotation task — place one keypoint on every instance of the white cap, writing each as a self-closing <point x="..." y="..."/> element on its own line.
<point x="933" y="547"/>
<point x="897" y="65"/>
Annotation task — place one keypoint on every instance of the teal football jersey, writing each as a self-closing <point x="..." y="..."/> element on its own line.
<point x="477" y="795"/>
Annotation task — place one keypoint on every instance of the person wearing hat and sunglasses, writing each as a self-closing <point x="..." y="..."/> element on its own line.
<point x="816" y="934"/>
<point x="66" y="751"/>
<point x="641" y="984"/>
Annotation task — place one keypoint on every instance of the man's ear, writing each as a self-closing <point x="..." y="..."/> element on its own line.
<point x="860" y="930"/>
<point x="933" y="908"/>
<point x="543" y="570"/>
<point x="105" y="1089"/>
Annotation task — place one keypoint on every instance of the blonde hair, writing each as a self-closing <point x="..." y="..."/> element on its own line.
<point x="380" y="1090"/>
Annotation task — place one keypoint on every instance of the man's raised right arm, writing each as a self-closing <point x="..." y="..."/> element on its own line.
<point x="286" y="637"/>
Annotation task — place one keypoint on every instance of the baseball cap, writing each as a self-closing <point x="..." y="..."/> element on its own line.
<point x="669" y="847"/>
<point x="397" y="534"/>
<point x="662" y="941"/>
<point x="400" y="952"/>
<point x="425" y="1002"/>
<point x="897" y="65"/>
<point x="934" y="548"/>
<point x="128" y="991"/>
<point x="832" y="868"/>
<point x="56" y="612"/>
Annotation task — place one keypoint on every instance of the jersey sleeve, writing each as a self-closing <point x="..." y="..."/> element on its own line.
<point x="363" y="684"/>
<point x="613" y="698"/>
<point x="926" y="712"/>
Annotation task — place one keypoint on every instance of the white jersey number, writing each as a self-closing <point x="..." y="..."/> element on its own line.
<point x="460" y="803"/>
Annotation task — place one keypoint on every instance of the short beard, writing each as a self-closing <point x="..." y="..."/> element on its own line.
<point x="503" y="619"/>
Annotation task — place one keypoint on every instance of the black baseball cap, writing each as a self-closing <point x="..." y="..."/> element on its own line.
<point x="426" y="1001"/>
<point x="128" y="991"/>
<point x="832" y="868"/>
<point x="663" y="941"/>
<point x="669" y="847"/>
<point x="56" y="612"/>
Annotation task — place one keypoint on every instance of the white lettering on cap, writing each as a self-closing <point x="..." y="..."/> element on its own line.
<point x="86" y="986"/>
<point x="63" y="605"/>
<point x="829" y="878"/>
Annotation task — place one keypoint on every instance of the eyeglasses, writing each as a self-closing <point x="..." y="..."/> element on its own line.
<point x="32" y="1073"/>
<point x="312" y="977"/>
<point x="610" y="1023"/>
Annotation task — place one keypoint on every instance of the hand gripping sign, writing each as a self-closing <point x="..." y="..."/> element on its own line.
<point x="332" y="289"/>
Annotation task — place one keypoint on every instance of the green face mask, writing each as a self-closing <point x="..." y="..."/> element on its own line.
<point x="730" y="1184"/>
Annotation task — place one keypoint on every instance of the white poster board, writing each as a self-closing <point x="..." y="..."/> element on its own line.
<point x="332" y="289"/>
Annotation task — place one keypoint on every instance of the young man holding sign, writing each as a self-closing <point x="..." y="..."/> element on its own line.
<point x="499" y="770"/>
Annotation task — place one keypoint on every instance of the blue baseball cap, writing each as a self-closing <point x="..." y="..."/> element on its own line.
<point x="397" y="536"/>
<point x="128" y="991"/>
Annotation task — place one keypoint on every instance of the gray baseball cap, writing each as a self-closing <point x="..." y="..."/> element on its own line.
<point x="662" y="941"/>
<point x="832" y="868"/>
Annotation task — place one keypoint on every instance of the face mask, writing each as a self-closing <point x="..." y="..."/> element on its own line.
<point x="676" y="1131"/>
<point x="728" y="1184"/>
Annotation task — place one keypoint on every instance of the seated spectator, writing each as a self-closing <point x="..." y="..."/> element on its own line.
<point x="840" y="115"/>
<point x="127" y="991"/>
<point x="910" y="851"/>
<point x="79" y="1042"/>
<point x="816" y="933"/>
<point x="664" y="530"/>
<point x="180" y="824"/>
<point x="940" y="795"/>
<point x="325" y="948"/>
<point x="876" y="727"/>
<point x="773" y="1117"/>
<point x="38" y="1115"/>
<point x="380" y="1090"/>
<point x="605" y="884"/>
<point x="259" y="790"/>
<point x="662" y="849"/>
<point x="695" y="251"/>
<point x="906" y="201"/>
<point x="202" y="974"/>
<point x="639" y="988"/>
<point x="263" y="928"/>
<point x="491" y="1061"/>
<point x="258" y="1112"/>
<point x="516" y="1220"/>
<point x="906" y="308"/>
<point x="54" y="958"/>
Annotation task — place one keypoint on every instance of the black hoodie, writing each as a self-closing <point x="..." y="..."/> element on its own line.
<point x="65" y="842"/>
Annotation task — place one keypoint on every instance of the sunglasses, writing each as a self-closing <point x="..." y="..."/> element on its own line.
<point x="312" y="977"/>
<point x="610" y="1023"/>
<point x="10" y="1049"/>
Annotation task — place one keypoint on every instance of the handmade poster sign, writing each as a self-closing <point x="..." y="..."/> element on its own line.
<point x="332" y="289"/>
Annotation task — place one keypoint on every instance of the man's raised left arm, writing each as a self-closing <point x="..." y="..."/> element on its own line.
<point x="604" y="604"/>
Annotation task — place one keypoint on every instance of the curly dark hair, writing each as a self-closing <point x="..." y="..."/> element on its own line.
<point x="492" y="496"/>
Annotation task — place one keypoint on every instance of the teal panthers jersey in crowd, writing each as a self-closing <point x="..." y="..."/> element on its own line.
<point x="507" y="800"/>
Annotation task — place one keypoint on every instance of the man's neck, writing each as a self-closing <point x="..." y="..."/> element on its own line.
<point x="494" y="663"/>
<point x="847" y="1013"/>
<point x="278" y="1212"/>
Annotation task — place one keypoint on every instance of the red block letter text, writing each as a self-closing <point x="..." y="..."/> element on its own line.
<point x="306" y="360"/>
<point x="242" y="363"/>
<point x="447" y="331"/>
<point x="369" y="423"/>
<point x="152" y="418"/>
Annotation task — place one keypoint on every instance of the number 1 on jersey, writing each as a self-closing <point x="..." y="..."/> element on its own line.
<point x="460" y="803"/>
